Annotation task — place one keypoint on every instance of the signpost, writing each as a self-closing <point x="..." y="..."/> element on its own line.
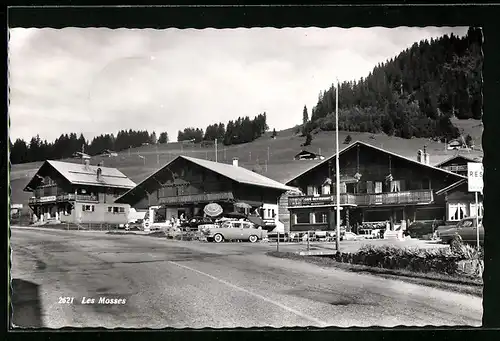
<point x="475" y="184"/>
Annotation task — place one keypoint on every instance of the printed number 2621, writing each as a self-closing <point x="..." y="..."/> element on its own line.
<point x="68" y="300"/>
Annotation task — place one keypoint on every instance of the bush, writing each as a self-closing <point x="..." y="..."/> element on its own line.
<point x="441" y="260"/>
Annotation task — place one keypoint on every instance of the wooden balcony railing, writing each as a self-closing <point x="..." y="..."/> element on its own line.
<point x="205" y="197"/>
<point x="64" y="197"/>
<point x="393" y="198"/>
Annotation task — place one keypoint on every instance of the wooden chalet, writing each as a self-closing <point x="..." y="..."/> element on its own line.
<point x="460" y="203"/>
<point x="306" y="155"/>
<point x="456" y="164"/>
<point x="376" y="185"/>
<point x="78" y="193"/>
<point x="186" y="184"/>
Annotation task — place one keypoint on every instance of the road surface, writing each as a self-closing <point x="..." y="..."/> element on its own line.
<point x="196" y="285"/>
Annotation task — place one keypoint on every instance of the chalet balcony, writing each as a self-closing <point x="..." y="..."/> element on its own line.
<point x="63" y="197"/>
<point x="194" y="198"/>
<point x="368" y="199"/>
<point x="456" y="168"/>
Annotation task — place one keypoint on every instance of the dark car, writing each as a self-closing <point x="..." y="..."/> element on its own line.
<point x="194" y="222"/>
<point x="419" y="229"/>
<point x="465" y="231"/>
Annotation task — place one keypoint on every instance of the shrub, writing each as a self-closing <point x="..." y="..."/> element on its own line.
<point x="413" y="259"/>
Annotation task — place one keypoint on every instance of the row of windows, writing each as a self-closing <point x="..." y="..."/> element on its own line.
<point x="111" y="209"/>
<point x="115" y="209"/>
<point x="460" y="211"/>
<point x="310" y="218"/>
<point x="370" y="187"/>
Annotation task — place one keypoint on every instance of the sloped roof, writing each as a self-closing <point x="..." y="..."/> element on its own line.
<point x="459" y="156"/>
<point x="80" y="174"/>
<point x="235" y="173"/>
<point x="376" y="148"/>
<point x="452" y="186"/>
<point x="238" y="174"/>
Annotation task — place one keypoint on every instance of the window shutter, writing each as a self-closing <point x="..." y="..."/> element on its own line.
<point x="369" y="187"/>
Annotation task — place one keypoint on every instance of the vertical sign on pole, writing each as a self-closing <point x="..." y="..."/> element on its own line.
<point x="475" y="184"/>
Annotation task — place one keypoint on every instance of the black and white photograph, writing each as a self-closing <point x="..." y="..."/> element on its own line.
<point x="246" y="177"/>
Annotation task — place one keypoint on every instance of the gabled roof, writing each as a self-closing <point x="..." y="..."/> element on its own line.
<point x="302" y="152"/>
<point x="238" y="174"/>
<point x="452" y="186"/>
<point x="459" y="156"/>
<point x="352" y="145"/>
<point x="80" y="174"/>
<point x="235" y="173"/>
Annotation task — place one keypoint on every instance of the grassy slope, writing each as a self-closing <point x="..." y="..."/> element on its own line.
<point x="281" y="165"/>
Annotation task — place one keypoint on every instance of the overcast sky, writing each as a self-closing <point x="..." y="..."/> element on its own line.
<point x="97" y="80"/>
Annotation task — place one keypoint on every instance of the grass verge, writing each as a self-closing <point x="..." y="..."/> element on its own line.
<point x="461" y="284"/>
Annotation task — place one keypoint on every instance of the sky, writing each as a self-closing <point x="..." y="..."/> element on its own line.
<point x="98" y="80"/>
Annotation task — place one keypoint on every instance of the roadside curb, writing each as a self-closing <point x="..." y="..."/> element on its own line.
<point x="52" y="229"/>
<point x="316" y="253"/>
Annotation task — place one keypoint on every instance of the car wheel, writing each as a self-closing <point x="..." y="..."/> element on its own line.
<point x="253" y="239"/>
<point x="218" y="238"/>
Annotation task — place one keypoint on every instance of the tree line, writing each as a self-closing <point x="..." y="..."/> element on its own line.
<point x="412" y="95"/>
<point x="241" y="130"/>
<point x="68" y="144"/>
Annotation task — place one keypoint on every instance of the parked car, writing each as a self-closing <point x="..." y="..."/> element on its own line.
<point x="419" y="229"/>
<point x="194" y="222"/>
<point x="465" y="231"/>
<point x="233" y="230"/>
<point x="350" y="236"/>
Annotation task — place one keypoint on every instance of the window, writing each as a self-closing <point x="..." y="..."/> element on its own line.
<point x="273" y="214"/>
<point x="246" y="225"/>
<point x="110" y="209"/>
<point x="378" y="187"/>
<point x="474" y="211"/>
<point x="122" y="210"/>
<point x="88" y="208"/>
<point x="396" y="186"/>
<point x="320" y="217"/>
<point x="302" y="218"/>
<point x="326" y="189"/>
<point x="236" y="225"/>
<point x="457" y="212"/>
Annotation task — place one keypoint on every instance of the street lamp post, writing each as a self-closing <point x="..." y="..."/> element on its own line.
<point x="337" y="170"/>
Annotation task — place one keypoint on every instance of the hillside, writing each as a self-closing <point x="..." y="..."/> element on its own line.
<point x="415" y="94"/>
<point x="253" y="155"/>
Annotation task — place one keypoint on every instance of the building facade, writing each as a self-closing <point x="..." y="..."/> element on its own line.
<point x="185" y="185"/>
<point x="460" y="203"/>
<point x="78" y="193"/>
<point x="375" y="186"/>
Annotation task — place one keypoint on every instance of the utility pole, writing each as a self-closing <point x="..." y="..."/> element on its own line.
<point x="337" y="170"/>
<point x="215" y="150"/>
<point x="224" y="153"/>
<point x="268" y="154"/>
<point x="157" y="156"/>
<point x="266" y="166"/>
<point x="250" y="156"/>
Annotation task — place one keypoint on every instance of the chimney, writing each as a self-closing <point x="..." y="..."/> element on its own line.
<point x="426" y="156"/>
<point x="420" y="156"/>
<point x="99" y="172"/>
<point x="235" y="161"/>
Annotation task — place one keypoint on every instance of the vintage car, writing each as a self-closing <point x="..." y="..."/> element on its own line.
<point x="233" y="230"/>
<point x="465" y="231"/>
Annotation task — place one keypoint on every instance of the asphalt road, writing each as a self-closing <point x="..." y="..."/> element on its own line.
<point x="196" y="285"/>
